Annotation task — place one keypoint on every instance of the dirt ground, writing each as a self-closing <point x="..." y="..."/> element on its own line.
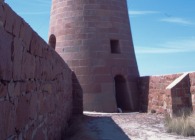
<point x="122" y="126"/>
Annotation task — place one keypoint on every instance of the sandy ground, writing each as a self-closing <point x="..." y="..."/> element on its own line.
<point x="124" y="126"/>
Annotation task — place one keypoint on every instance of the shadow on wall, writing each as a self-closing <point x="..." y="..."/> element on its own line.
<point x="144" y="96"/>
<point x="77" y="95"/>
<point x="122" y="95"/>
<point x="181" y="97"/>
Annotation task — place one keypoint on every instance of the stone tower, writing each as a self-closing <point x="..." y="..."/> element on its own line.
<point x="94" y="39"/>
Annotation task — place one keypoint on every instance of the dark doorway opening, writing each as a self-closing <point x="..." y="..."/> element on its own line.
<point x="122" y="97"/>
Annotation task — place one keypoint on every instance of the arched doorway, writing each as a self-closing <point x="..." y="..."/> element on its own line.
<point x="121" y="93"/>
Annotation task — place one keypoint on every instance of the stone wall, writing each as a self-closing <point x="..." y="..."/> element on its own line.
<point x="35" y="83"/>
<point x="167" y="93"/>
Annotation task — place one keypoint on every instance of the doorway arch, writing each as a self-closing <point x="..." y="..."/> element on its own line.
<point x="121" y="93"/>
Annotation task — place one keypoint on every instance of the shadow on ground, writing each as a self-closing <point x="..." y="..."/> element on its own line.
<point x="94" y="128"/>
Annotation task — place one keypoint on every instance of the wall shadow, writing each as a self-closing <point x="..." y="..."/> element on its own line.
<point x="95" y="128"/>
<point x="144" y="93"/>
<point x="122" y="96"/>
<point x="77" y="95"/>
<point x="181" y="97"/>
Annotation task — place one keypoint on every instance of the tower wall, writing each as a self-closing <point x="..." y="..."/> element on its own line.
<point x="94" y="38"/>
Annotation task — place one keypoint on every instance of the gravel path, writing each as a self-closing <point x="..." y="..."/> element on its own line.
<point x="125" y="126"/>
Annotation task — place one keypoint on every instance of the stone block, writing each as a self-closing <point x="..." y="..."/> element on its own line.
<point x="47" y="88"/>
<point x="2" y="16"/>
<point x="10" y="18"/>
<point x="30" y="86"/>
<point x="26" y="34"/>
<point x="91" y="88"/>
<point x="5" y="127"/>
<point x="1" y="1"/>
<point x="38" y="68"/>
<point x="46" y="69"/>
<point x="177" y="101"/>
<point x="6" y="55"/>
<point x="17" y="58"/>
<point x="22" y="112"/>
<point x="40" y="135"/>
<point x="28" y="66"/>
<point x="3" y="89"/>
<point x="17" y="25"/>
<point x="33" y="109"/>
<point x="35" y="45"/>
<point x="192" y="81"/>
<point x="46" y="103"/>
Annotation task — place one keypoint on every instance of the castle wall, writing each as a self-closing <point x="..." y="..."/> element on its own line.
<point x="158" y="94"/>
<point x="35" y="83"/>
<point x="85" y="31"/>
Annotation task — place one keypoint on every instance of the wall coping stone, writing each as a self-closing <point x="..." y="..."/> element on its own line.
<point x="177" y="80"/>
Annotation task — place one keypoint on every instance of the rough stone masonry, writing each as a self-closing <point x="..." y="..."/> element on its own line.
<point x="35" y="83"/>
<point x="39" y="92"/>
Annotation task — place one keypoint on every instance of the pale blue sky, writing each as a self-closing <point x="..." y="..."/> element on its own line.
<point x="163" y="31"/>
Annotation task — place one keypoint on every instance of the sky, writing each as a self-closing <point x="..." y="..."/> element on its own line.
<point x="163" y="31"/>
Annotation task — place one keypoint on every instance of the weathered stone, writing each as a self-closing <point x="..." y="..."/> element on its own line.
<point x="1" y="1"/>
<point x="38" y="68"/>
<point x="28" y="80"/>
<point x="3" y="90"/>
<point x="33" y="110"/>
<point x="30" y="86"/>
<point x="2" y="16"/>
<point x="47" y="88"/>
<point x="6" y="55"/>
<point x="34" y="43"/>
<point x="28" y="66"/>
<point x="22" y="112"/>
<point x="5" y="109"/>
<point x="10" y="18"/>
<point x="17" y="58"/>
<point x="26" y="34"/>
<point x="40" y="135"/>
<point x="11" y="89"/>
<point x="17" y="26"/>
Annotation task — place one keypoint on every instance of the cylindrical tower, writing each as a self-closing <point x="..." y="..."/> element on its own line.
<point x="94" y="39"/>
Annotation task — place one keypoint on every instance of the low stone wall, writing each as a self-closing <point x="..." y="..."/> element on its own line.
<point x="167" y="93"/>
<point x="35" y="83"/>
<point x="178" y="96"/>
<point x="192" y="88"/>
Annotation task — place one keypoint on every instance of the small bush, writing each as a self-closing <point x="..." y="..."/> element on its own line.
<point x="183" y="125"/>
